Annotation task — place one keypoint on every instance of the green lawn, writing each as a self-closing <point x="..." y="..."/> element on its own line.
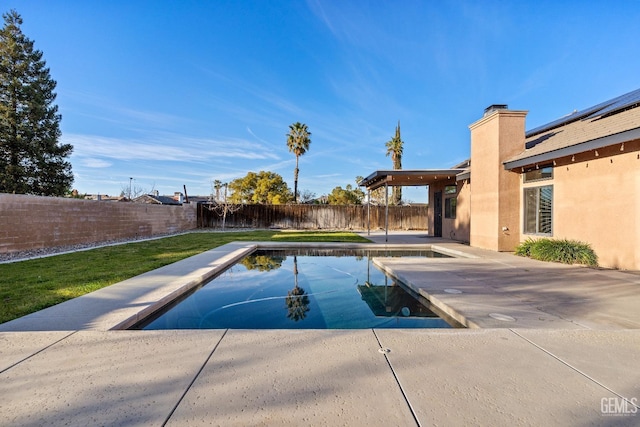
<point x="29" y="286"/>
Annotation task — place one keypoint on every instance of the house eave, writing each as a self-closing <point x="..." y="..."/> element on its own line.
<point x="593" y="144"/>
<point x="464" y="175"/>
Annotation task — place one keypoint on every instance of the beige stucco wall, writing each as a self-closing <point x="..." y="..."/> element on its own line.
<point x="495" y="200"/>
<point x="33" y="222"/>
<point x="453" y="228"/>
<point x="462" y="224"/>
<point x="597" y="200"/>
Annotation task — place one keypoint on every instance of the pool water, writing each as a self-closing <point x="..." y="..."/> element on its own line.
<point x="301" y="289"/>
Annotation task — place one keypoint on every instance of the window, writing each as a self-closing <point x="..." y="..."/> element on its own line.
<point x="450" y="189"/>
<point x="450" y="207"/>
<point x="538" y="204"/>
<point x="538" y="174"/>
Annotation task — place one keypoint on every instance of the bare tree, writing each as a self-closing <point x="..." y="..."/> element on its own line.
<point x="219" y="201"/>
<point x="307" y="196"/>
<point x="132" y="191"/>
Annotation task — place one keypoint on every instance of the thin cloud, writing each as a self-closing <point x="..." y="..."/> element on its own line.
<point x="332" y="175"/>
<point x="95" y="163"/>
<point x="113" y="113"/>
<point x="271" y="104"/>
<point x="161" y="149"/>
<point x="318" y="10"/>
<point x="256" y="136"/>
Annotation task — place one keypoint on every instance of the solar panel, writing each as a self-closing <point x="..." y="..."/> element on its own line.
<point x="608" y="107"/>
<point x="621" y="103"/>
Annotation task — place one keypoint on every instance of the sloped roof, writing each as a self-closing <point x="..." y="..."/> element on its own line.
<point x="611" y="122"/>
<point x="153" y="199"/>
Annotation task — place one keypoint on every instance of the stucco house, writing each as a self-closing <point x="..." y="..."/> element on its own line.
<point x="577" y="177"/>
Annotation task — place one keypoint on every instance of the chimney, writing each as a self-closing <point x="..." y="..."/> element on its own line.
<point x="178" y="196"/>
<point x="495" y="195"/>
<point x="156" y="193"/>
<point x="494" y="107"/>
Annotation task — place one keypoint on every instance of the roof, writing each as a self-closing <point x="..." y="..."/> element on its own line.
<point x="609" y="123"/>
<point x="153" y="199"/>
<point x="407" y="178"/>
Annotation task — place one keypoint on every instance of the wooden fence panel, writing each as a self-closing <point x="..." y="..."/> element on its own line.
<point x="332" y="217"/>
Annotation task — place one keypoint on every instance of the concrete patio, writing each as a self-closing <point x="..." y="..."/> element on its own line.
<point x="549" y="345"/>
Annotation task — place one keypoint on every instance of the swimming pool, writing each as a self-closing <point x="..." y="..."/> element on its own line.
<point x="302" y="288"/>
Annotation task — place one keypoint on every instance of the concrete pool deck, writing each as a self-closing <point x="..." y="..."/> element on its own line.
<point x="569" y="356"/>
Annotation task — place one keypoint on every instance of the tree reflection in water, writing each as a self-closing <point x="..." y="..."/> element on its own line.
<point x="297" y="300"/>
<point x="263" y="262"/>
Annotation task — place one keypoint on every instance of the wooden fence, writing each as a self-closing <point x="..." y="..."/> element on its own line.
<point x="332" y="217"/>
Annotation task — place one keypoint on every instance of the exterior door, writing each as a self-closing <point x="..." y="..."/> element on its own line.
<point x="437" y="214"/>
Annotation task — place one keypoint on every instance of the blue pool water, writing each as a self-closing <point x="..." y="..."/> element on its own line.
<point x="301" y="289"/>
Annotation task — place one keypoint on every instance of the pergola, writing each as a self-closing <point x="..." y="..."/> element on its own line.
<point x="405" y="178"/>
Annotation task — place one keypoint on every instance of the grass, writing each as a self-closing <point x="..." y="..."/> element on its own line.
<point x="29" y="286"/>
<point x="558" y="250"/>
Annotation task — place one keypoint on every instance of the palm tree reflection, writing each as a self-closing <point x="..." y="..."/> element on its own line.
<point x="297" y="300"/>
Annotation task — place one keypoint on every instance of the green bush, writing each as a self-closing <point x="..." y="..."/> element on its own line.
<point x="524" y="248"/>
<point x="560" y="250"/>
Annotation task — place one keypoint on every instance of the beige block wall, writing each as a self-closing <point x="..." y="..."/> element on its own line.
<point x="33" y="222"/>
<point x="495" y="200"/>
<point x="597" y="200"/>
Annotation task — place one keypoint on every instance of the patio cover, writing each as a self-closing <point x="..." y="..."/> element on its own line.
<point x="407" y="178"/>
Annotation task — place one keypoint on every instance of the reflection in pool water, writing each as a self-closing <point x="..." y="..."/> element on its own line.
<point x="306" y="289"/>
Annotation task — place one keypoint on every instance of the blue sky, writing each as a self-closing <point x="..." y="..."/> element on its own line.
<point x="177" y="93"/>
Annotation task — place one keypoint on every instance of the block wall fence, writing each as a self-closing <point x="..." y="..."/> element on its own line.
<point x="35" y="222"/>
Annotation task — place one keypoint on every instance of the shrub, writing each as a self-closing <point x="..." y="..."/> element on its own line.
<point x="524" y="248"/>
<point x="560" y="250"/>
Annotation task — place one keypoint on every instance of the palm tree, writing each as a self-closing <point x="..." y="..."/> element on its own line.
<point x="217" y="185"/>
<point x="297" y="300"/>
<point x="298" y="142"/>
<point x="394" y="148"/>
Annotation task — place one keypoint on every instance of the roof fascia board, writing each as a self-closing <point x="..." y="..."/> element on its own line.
<point x="593" y="144"/>
<point x="378" y="178"/>
<point x="463" y="175"/>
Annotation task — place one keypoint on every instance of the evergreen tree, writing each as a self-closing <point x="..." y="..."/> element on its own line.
<point x="31" y="159"/>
